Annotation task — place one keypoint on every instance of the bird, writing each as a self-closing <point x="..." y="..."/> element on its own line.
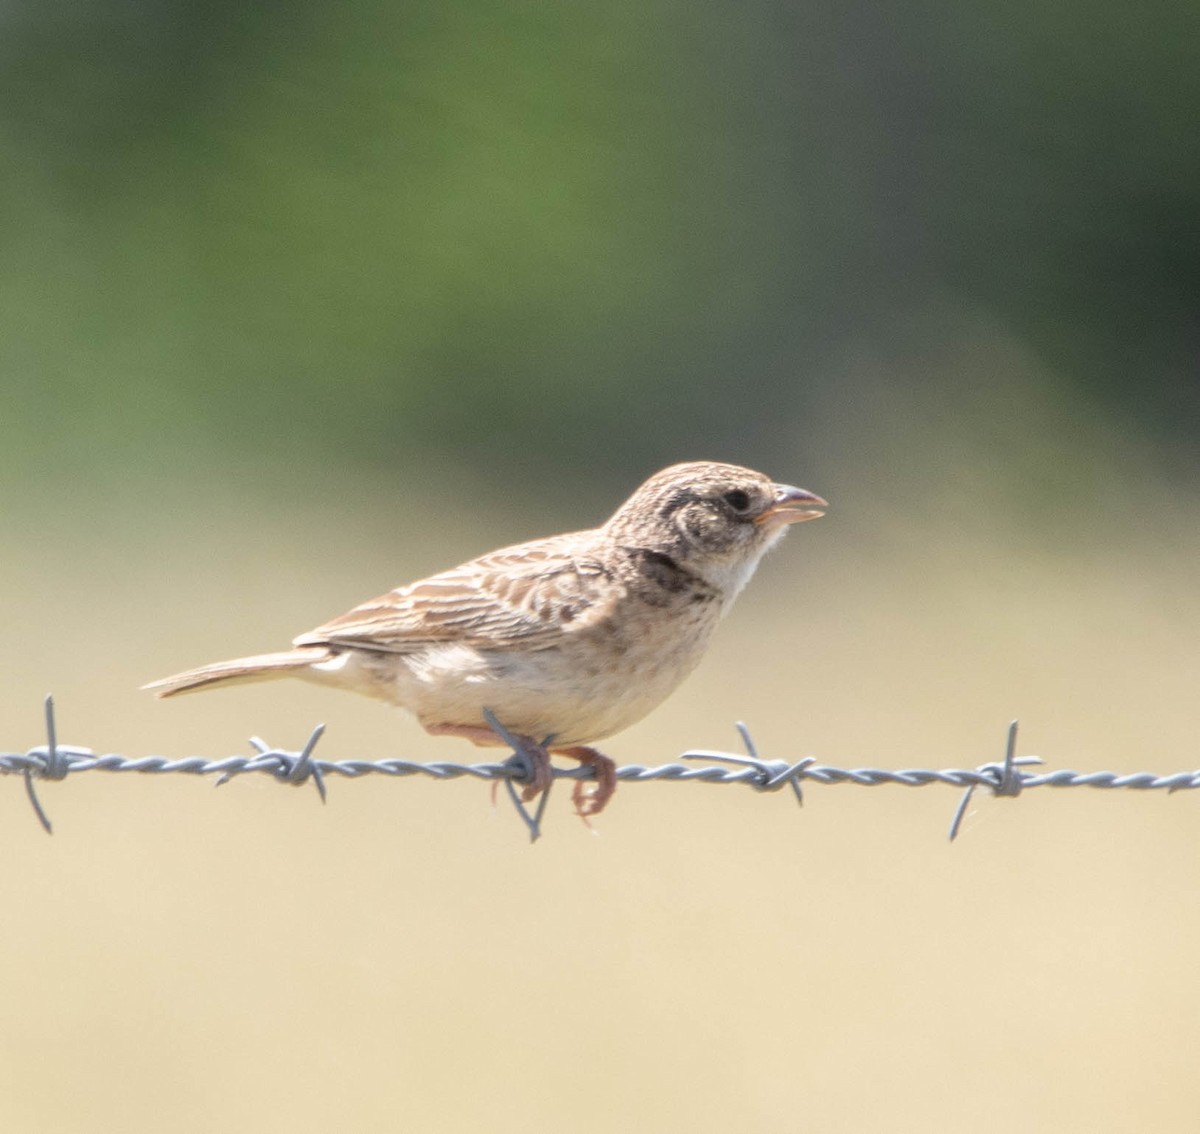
<point x="562" y="641"/>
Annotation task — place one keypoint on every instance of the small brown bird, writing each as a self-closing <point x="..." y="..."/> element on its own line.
<point x="566" y="640"/>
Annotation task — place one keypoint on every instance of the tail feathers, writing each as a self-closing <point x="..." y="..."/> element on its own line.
<point x="258" y="668"/>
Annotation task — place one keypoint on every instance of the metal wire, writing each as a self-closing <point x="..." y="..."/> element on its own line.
<point x="55" y="761"/>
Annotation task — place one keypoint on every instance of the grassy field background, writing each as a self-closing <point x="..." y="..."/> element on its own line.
<point x="709" y="958"/>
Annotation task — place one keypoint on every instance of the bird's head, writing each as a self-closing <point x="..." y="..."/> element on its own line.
<point x="716" y="520"/>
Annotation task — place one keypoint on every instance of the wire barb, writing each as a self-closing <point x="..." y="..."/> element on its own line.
<point x="304" y="766"/>
<point x="772" y="774"/>
<point x="520" y="763"/>
<point x="54" y="767"/>
<point x="1003" y="778"/>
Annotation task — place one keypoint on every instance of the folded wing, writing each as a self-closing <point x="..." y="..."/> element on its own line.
<point x="528" y="596"/>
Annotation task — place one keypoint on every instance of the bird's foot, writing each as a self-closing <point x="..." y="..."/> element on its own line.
<point x="540" y="772"/>
<point x="536" y="755"/>
<point x="588" y="801"/>
<point x="591" y="801"/>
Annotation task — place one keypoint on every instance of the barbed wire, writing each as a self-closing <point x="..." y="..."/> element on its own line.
<point x="1006" y="777"/>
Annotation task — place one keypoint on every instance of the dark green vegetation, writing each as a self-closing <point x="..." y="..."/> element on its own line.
<point x="610" y="234"/>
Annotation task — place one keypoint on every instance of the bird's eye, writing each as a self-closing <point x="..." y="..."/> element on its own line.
<point x="738" y="500"/>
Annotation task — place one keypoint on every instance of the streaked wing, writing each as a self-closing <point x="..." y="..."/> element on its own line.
<point x="528" y="595"/>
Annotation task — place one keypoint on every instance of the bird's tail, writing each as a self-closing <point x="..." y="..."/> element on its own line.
<point x="257" y="668"/>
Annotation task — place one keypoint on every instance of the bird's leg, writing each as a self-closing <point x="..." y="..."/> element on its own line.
<point x="592" y="802"/>
<point x="535" y="753"/>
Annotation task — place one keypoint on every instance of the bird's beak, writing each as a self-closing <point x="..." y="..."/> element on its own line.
<point x="790" y="506"/>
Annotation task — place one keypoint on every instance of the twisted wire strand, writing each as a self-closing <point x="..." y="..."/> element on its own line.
<point x="55" y="761"/>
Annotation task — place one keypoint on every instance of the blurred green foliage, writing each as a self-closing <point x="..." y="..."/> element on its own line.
<point x="613" y="233"/>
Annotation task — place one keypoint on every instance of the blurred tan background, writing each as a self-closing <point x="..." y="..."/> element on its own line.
<point x="299" y="303"/>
